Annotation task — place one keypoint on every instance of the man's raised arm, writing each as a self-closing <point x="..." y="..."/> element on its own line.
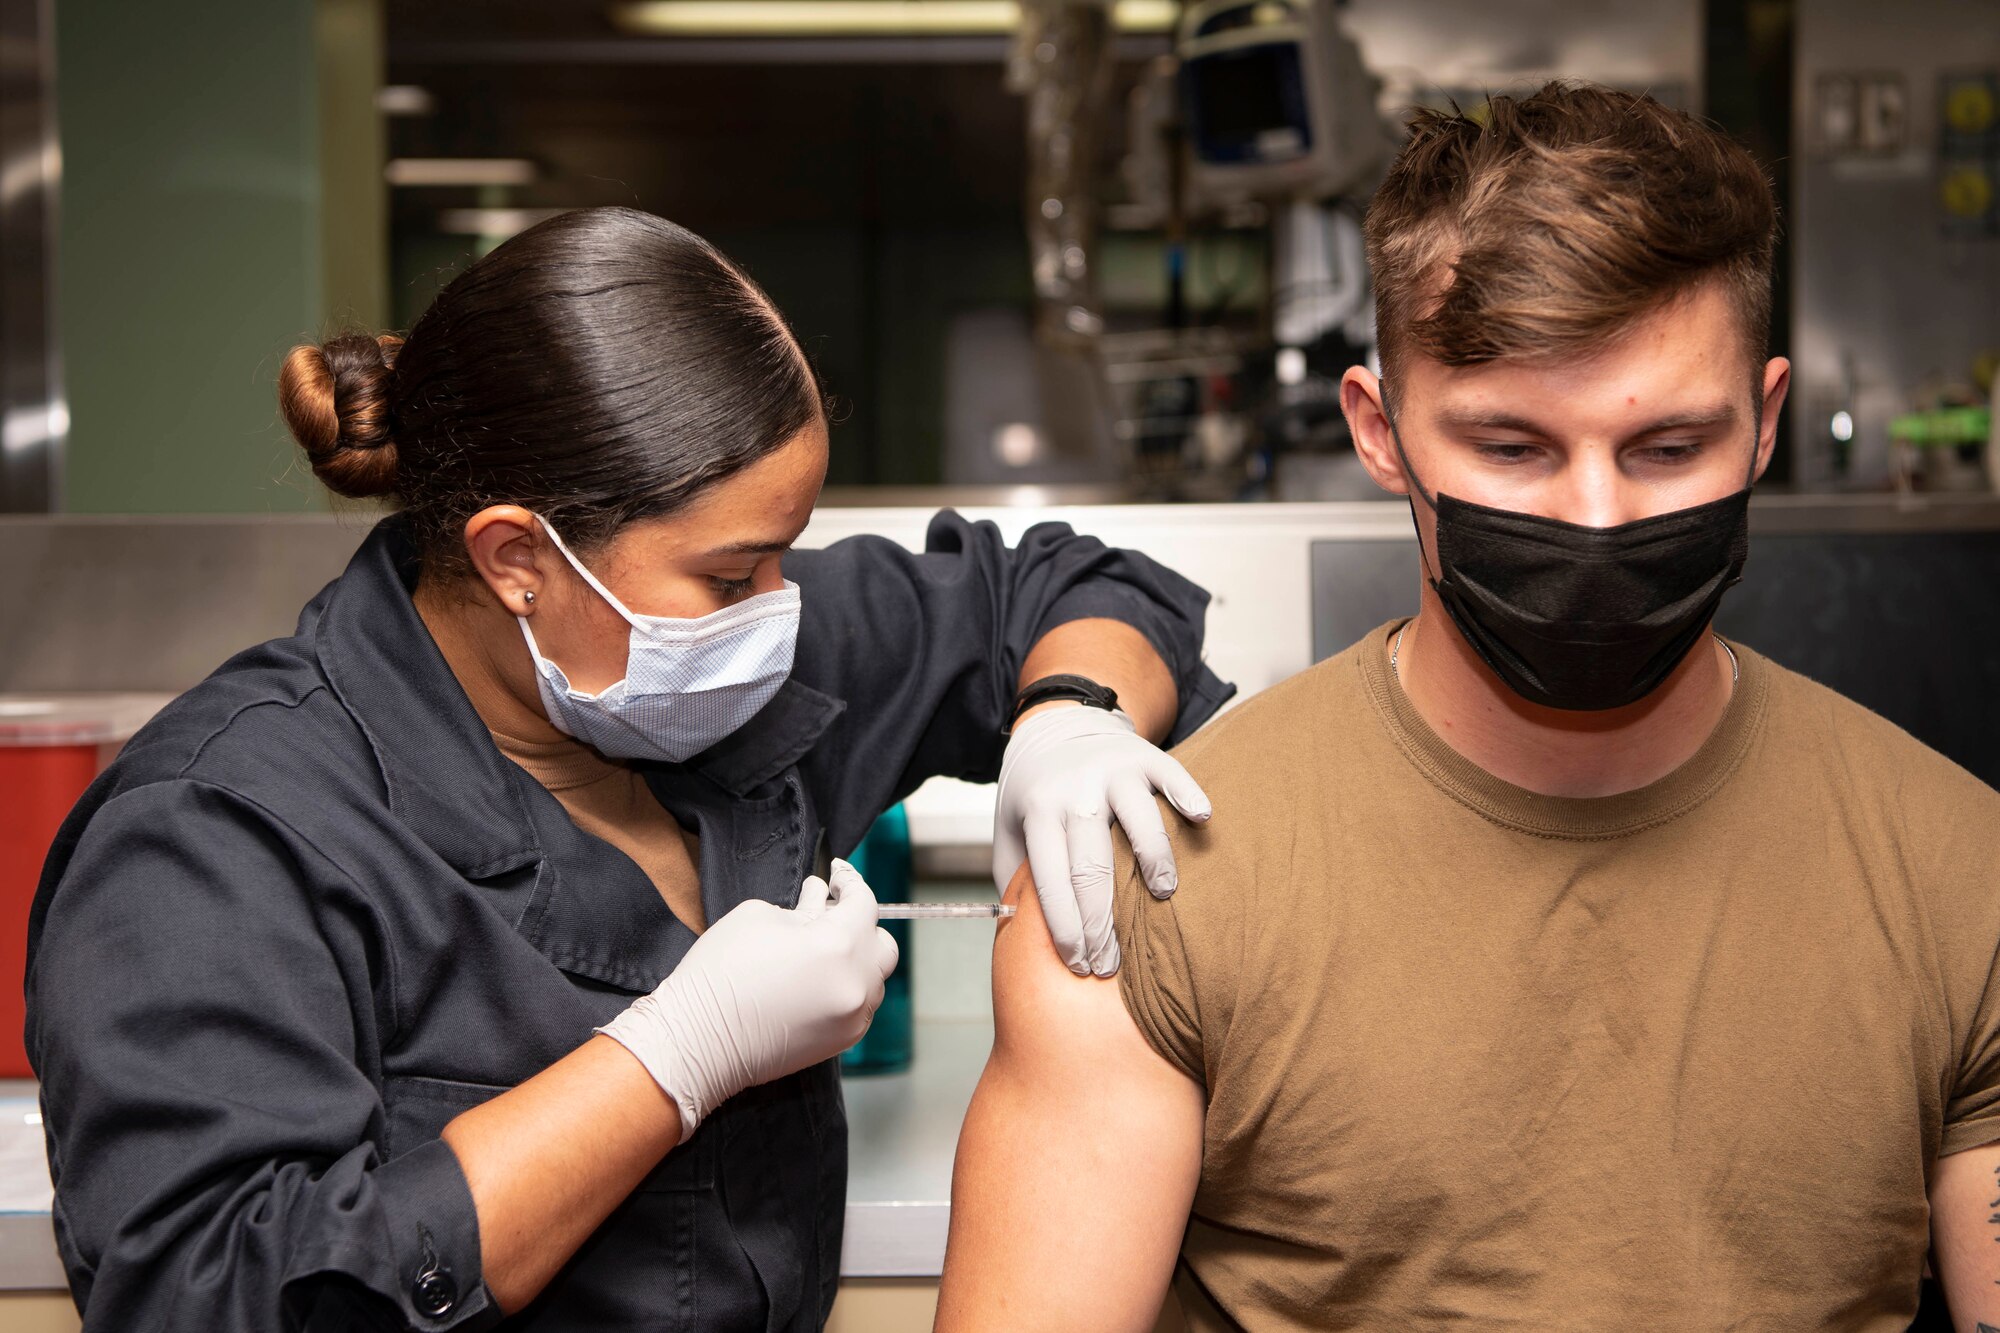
<point x="1078" y="1160"/>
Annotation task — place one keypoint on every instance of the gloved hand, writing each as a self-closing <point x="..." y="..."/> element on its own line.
<point x="766" y="991"/>
<point x="1066" y="772"/>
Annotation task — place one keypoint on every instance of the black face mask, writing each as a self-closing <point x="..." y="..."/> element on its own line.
<point x="1583" y="618"/>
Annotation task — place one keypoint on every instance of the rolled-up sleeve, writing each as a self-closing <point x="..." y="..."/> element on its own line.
<point x="205" y="994"/>
<point x="926" y="648"/>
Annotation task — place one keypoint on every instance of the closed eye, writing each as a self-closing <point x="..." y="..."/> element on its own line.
<point x="1506" y="453"/>
<point x="733" y="588"/>
<point x="1672" y="453"/>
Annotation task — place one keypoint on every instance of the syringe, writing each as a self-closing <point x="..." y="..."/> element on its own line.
<point x="944" y="911"/>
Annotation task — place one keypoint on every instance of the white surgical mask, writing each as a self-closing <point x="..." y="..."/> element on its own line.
<point x="688" y="683"/>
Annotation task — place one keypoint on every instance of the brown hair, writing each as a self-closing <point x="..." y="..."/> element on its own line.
<point x="1544" y="223"/>
<point x="602" y="367"/>
<point x="335" y="399"/>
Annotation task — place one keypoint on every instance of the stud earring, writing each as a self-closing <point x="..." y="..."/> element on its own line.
<point x="528" y="597"/>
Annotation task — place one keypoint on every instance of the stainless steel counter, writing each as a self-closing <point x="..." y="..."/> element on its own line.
<point x="143" y="602"/>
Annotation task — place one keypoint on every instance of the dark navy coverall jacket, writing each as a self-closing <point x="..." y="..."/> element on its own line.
<point x="311" y="914"/>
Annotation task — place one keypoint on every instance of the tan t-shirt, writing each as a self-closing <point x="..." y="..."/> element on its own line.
<point x="1673" y="1059"/>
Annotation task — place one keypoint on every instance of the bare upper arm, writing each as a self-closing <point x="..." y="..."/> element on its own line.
<point x="1079" y="1156"/>
<point x="1965" y="1203"/>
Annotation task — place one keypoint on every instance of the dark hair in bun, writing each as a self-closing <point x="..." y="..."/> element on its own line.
<point x="335" y="398"/>
<point x="602" y="367"/>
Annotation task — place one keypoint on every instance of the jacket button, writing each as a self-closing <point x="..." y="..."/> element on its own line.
<point x="434" y="1293"/>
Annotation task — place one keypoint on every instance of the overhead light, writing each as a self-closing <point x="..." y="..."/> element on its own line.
<point x="496" y="223"/>
<point x="1290" y="366"/>
<point x="820" y="18"/>
<point x="857" y="18"/>
<point x="33" y="425"/>
<point x="459" y="171"/>
<point x="404" y="99"/>
<point x="1018" y="444"/>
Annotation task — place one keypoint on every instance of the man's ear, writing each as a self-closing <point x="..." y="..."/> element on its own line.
<point x="1368" y="423"/>
<point x="1777" y="383"/>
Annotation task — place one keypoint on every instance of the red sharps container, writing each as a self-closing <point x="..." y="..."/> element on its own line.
<point x="51" y="746"/>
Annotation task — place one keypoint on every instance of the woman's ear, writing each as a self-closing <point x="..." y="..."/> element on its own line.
<point x="503" y="543"/>
<point x="1368" y="423"/>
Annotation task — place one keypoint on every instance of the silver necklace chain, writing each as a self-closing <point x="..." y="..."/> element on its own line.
<point x="1735" y="667"/>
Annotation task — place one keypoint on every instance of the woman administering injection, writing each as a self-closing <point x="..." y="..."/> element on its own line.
<point x="338" y="976"/>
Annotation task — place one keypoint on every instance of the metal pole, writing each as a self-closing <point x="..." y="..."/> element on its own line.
<point x="34" y="414"/>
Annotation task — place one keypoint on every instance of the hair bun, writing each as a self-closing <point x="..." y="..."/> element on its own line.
<point x="335" y="399"/>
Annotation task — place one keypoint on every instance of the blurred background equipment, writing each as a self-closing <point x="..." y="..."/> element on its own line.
<point x="883" y="858"/>
<point x="1262" y="122"/>
<point x="1062" y="63"/>
<point x="1278" y="101"/>
<point x="1895" y="278"/>
<point x="1107" y="246"/>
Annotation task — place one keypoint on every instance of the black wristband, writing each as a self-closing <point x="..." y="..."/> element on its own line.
<point x="1082" y="689"/>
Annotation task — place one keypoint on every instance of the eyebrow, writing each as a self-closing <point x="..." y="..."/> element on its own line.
<point x="1476" y="419"/>
<point x="749" y="548"/>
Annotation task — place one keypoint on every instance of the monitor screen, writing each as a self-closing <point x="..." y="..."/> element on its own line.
<point x="1242" y="102"/>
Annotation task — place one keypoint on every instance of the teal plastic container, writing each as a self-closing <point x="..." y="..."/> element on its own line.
<point x="883" y="858"/>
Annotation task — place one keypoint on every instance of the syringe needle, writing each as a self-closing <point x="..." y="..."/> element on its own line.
<point x="944" y="911"/>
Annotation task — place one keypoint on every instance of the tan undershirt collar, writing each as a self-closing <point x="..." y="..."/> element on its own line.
<point x="560" y="763"/>
<point x="1578" y="817"/>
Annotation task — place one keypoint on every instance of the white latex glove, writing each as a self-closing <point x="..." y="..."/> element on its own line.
<point x="766" y="991"/>
<point x="1066" y="773"/>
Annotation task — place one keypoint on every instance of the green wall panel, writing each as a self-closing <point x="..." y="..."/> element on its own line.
<point x="190" y="249"/>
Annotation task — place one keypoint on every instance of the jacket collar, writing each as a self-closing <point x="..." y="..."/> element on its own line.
<point x="776" y="738"/>
<point x="445" y="779"/>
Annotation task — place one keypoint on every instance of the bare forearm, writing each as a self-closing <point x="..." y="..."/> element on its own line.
<point x="1965" y="1236"/>
<point x="549" y="1160"/>
<point x="1111" y="653"/>
<point x="1064" y="1216"/>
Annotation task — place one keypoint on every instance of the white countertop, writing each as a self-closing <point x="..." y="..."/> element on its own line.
<point x="27" y="1240"/>
<point x="902" y="1132"/>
